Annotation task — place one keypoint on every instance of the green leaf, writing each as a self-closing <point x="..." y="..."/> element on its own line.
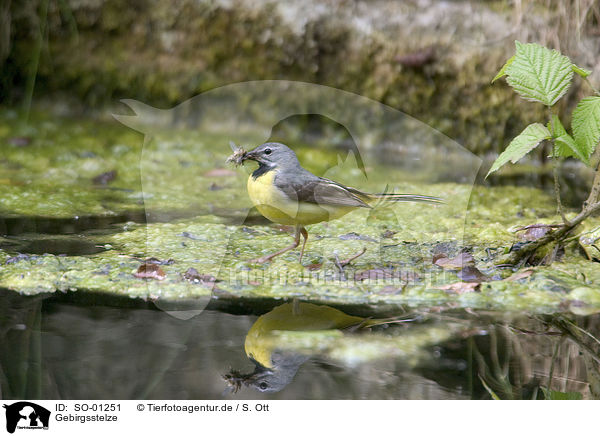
<point x="558" y="395"/>
<point x="539" y="74"/>
<point x="521" y="145"/>
<point x="586" y="124"/>
<point x="581" y="71"/>
<point x="502" y="71"/>
<point x="558" y="129"/>
<point x="565" y="146"/>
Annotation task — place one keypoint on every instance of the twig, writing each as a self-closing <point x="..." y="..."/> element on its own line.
<point x="529" y="249"/>
<point x="566" y="327"/>
<point x="531" y="332"/>
<point x="538" y="226"/>
<point x="345" y="262"/>
<point x="342" y="263"/>
<point x="340" y="267"/>
<point x="572" y="238"/>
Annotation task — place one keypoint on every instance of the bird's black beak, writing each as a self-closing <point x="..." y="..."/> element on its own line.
<point x="250" y="155"/>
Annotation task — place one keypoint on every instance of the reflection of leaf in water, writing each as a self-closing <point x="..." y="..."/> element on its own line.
<point x="550" y="394"/>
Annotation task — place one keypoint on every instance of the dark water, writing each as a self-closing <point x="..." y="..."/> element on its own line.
<point x="61" y="347"/>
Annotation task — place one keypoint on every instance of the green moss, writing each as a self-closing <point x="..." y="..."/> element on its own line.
<point x="51" y="177"/>
<point x="549" y="289"/>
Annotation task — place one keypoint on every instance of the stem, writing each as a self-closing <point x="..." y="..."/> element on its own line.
<point x="555" y="167"/>
<point x="595" y="191"/>
<point x="591" y="86"/>
<point x="557" y="191"/>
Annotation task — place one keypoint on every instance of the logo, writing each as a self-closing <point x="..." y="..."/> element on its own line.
<point x="26" y="415"/>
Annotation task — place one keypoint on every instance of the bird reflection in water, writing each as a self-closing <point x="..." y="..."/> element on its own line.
<point x="278" y="354"/>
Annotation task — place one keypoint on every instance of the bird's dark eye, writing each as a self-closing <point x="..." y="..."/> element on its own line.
<point x="263" y="386"/>
<point x="268" y="151"/>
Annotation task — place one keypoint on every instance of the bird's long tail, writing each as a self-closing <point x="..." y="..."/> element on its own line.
<point x="370" y="322"/>
<point x="407" y="197"/>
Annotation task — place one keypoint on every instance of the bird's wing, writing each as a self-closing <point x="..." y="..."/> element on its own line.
<point x="320" y="191"/>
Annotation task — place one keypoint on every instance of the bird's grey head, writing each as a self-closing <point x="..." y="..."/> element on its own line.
<point x="285" y="367"/>
<point x="273" y="154"/>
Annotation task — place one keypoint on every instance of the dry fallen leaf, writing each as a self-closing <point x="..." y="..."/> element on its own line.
<point x="105" y="178"/>
<point x="534" y="232"/>
<point x="520" y="275"/>
<point x="150" y="271"/>
<point x="472" y="274"/>
<point x="460" y="287"/>
<point x="458" y="262"/>
<point x="193" y="275"/>
<point x="388" y="234"/>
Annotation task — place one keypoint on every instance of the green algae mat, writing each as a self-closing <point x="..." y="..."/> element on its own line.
<point x="93" y="207"/>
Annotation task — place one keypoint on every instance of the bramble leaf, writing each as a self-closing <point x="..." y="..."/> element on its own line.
<point x="502" y="71"/>
<point x="539" y="74"/>
<point x="586" y="124"/>
<point x="521" y="145"/>
<point x="565" y="146"/>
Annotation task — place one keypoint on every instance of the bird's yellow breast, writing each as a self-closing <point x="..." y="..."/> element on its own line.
<point x="309" y="317"/>
<point x="276" y="206"/>
<point x="270" y="201"/>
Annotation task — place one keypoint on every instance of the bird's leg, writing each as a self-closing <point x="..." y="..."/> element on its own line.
<point x="264" y="259"/>
<point x="305" y="235"/>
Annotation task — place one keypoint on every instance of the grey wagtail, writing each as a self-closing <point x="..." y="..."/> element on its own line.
<point x="286" y="193"/>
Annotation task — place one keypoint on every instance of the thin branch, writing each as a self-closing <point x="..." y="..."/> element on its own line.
<point x="528" y="249"/>
<point x="345" y="262"/>
<point x="586" y="80"/>
<point x="538" y="226"/>
<point x="557" y="191"/>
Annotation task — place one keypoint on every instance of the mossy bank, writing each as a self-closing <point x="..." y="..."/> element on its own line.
<point x="433" y="61"/>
